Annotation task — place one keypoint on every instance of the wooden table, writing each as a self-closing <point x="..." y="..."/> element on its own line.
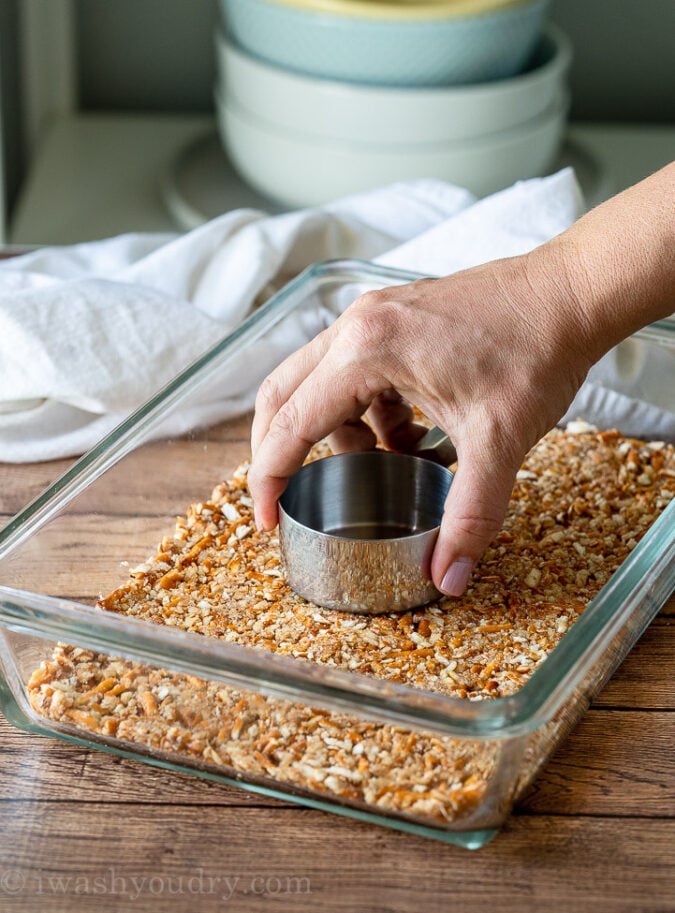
<point x="83" y="831"/>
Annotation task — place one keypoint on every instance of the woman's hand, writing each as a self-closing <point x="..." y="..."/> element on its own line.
<point x="493" y="356"/>
<point x="484" y="358"/>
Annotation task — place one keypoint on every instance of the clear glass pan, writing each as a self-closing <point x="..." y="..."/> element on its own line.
<point x="54" y="564"/>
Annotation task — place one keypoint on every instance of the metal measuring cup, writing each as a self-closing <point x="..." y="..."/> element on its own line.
<point x="357" y="530"/>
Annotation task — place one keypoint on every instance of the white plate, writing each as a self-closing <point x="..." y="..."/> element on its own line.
<point x="202" y="184"/>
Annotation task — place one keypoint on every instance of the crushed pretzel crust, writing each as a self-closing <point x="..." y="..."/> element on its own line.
<point x="581" y="502"/>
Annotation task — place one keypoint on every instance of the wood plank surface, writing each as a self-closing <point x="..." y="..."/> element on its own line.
<point x="646" y="677"/>
<point x="189" y="469"/>
<point x="614" y="763"/>
<point x="297" y="860"/>
<point x="21" y="484"/>
<point x="81" y="830"/>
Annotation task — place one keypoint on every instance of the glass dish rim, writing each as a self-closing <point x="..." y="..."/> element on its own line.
<point x="649" y="570"/>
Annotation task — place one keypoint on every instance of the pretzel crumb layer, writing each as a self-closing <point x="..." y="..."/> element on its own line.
<point x="581" y="502"/>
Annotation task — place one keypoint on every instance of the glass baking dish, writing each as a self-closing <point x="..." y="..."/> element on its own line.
<point x="75" y="541"/>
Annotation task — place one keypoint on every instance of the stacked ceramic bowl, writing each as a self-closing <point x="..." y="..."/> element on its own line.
<point x="321" y="98"/>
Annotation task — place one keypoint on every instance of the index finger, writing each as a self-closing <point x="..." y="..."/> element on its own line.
<point x="283" y="381"/>
<point x="328" y="396"/>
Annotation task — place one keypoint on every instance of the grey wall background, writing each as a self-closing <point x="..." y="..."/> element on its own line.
<point x="146" y="54"/>
<point x="624" y="66"/>
<point x="11" y="111"/>
<point x="158" y="55"/>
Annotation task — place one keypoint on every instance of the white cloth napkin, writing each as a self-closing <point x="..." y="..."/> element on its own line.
<point x="89" y="332"/>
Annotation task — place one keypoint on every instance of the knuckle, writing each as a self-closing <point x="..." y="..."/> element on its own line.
<point x="267" y="397"/>
<point x="475" y="530"/>
<point x="359" y="335"/>
<point x="289" y="424"/>
<point x="367" y="326"/>
<point x="259" y="482"/>
<point x="287" y="419"/>
<point x="373" y="298"/>
<point x="478" y="525"/>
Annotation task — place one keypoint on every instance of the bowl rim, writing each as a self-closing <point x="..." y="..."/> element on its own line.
<point x="558" y="63"/>
<point x="403" y="10"/>
<point x="360" y="456"/>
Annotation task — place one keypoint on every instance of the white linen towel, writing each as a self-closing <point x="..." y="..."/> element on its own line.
<point x="88" y="332"/>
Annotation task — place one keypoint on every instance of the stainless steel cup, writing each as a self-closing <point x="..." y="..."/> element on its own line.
<point x="357" y="530"/>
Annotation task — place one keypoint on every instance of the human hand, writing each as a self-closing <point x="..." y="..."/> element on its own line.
<point x="492" y="355"/>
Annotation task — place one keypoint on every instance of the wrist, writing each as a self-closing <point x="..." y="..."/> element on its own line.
<point x="613" y="271"/>
<point x="626" y="246"/>
<point x="558" y="277"/>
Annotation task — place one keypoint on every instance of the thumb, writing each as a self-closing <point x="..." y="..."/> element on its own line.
<point x="473" y="515"/>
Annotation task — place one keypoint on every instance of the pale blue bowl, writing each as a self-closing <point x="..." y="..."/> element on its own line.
<point x="388" y="52"/>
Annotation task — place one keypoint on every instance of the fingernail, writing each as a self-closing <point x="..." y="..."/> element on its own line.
<point x="457" y="576"/>
<point x="390" y="396"/>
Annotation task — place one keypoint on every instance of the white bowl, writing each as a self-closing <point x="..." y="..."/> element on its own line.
<point x="362" y="113"/>
<point x="300" y="170"/>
